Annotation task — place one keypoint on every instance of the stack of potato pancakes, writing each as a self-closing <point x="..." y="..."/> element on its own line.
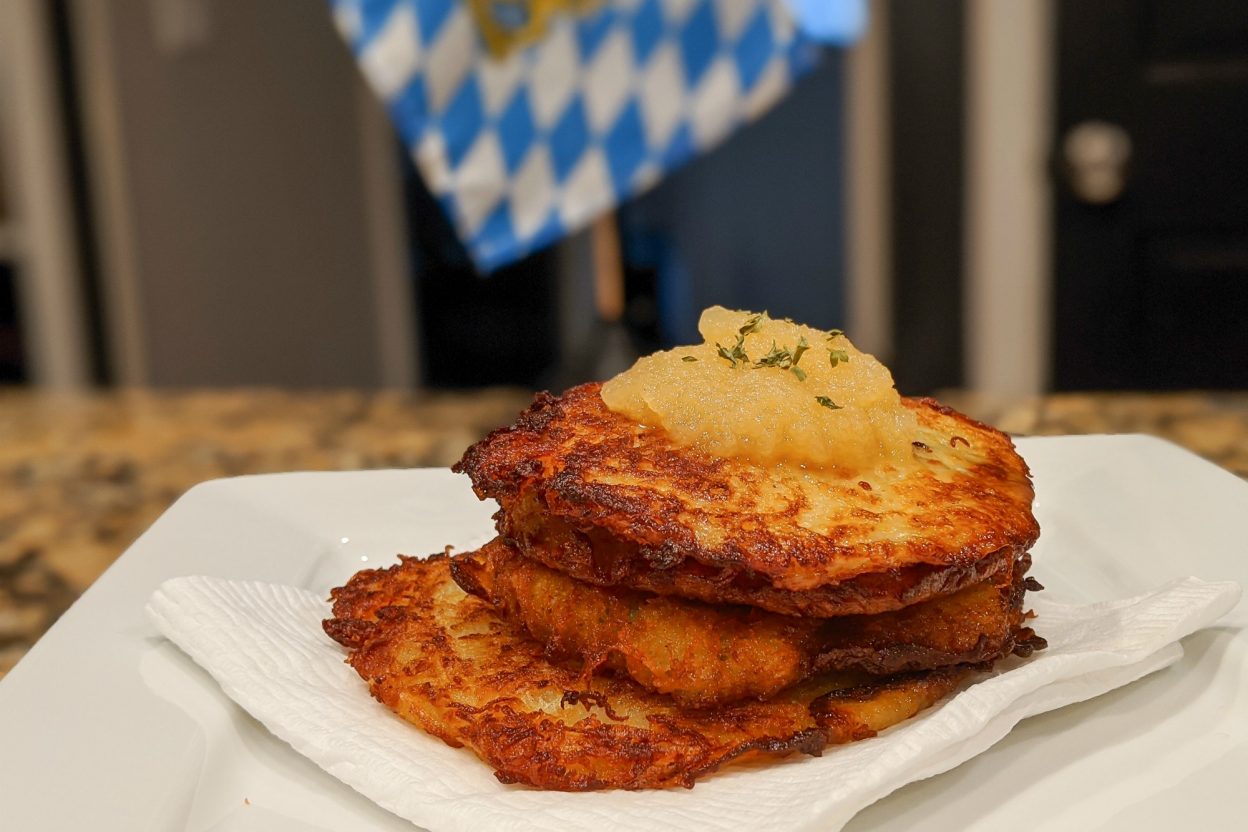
<point x="651" y="610"/>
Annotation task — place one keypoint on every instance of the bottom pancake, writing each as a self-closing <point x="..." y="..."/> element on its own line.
<point x="447" y="662"/>
<point x="711" y="655"/>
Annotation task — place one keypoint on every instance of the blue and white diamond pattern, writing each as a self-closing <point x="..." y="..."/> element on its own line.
<point x="525" y="149"/>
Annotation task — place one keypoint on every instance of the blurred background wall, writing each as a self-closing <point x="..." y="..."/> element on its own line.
<point x="1006" y="195"/>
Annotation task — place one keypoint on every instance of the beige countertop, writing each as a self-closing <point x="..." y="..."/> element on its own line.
<point x="82" y="476"/>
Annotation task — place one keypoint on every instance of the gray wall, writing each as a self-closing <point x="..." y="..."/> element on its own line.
<point x="243" y="179"/>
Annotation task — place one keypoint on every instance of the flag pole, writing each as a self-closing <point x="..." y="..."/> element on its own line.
<point x="608" y="269"/>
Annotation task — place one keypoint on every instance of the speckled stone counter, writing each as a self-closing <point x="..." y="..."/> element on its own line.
<point x="82" y="477"/>
<point x="1214" y="425"/>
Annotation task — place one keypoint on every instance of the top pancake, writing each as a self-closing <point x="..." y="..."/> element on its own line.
<point x="963" y="496"/>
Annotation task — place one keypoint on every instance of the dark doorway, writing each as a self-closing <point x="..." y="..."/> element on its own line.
<point x="477" y="330"/>
<point x="1152" y="208"/>
<point x="12" y="365"/>
<point x="927" y="77"/>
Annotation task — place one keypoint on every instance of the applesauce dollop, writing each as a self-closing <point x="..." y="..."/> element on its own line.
<point x="771" y="391"/>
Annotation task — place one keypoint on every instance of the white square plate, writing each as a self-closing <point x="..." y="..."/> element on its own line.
<point x="105" y="726"/>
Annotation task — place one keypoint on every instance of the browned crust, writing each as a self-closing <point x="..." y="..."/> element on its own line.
<point x="704" y="655"/>
<point x="836" y="711"/>
<point x="373" y="594"/>
<point x="449" y="664"/>
<point x="594" y="556"/>
<point x="977" y="624"/>
<point x="960" y="503"/>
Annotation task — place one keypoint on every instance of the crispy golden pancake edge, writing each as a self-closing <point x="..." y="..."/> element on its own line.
<point x="703" y="654"/>
<point x="446" y="662"/>
<point x="966" y="496"/>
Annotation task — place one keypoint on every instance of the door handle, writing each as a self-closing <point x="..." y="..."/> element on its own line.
<point x="1096" y="157"/>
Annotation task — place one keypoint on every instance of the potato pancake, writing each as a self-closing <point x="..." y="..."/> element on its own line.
<point x="711" y="655"/>
<point x="596" y="557"/>
<point x="642" y="512"/>
<point x="447" y="662"/>
<point x="723" y="553"/>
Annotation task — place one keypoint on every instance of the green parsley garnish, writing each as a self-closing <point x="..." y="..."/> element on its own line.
<point x="835" y="333"/>
<point x="687" y="358"/>
<point x="736" y="355"/>
<point x="828" y="403"/>
<point x="838" y="357"/>
<point x="801" y="347"/>
<point x="775" y="357"/>
<point x="751" y="324"/>
<point x="785" y="358"/>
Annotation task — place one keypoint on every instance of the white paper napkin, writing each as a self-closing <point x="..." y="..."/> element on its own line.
<point x="264" y="645"/>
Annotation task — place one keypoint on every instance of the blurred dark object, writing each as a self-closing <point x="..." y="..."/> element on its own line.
<point x="643" y="272"/>
<point x="1152" y="205"/>
<point x="477" y="330"/>
<point x="606" y="313"/>
<point x="927" y="77"/>
<point x="758" y="223"/>
<point x="12" y="365"/>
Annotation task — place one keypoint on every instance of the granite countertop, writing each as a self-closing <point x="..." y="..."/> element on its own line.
<point x="83" y="476"/>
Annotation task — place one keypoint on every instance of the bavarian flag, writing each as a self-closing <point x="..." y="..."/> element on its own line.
<point x="529" y="118"/>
